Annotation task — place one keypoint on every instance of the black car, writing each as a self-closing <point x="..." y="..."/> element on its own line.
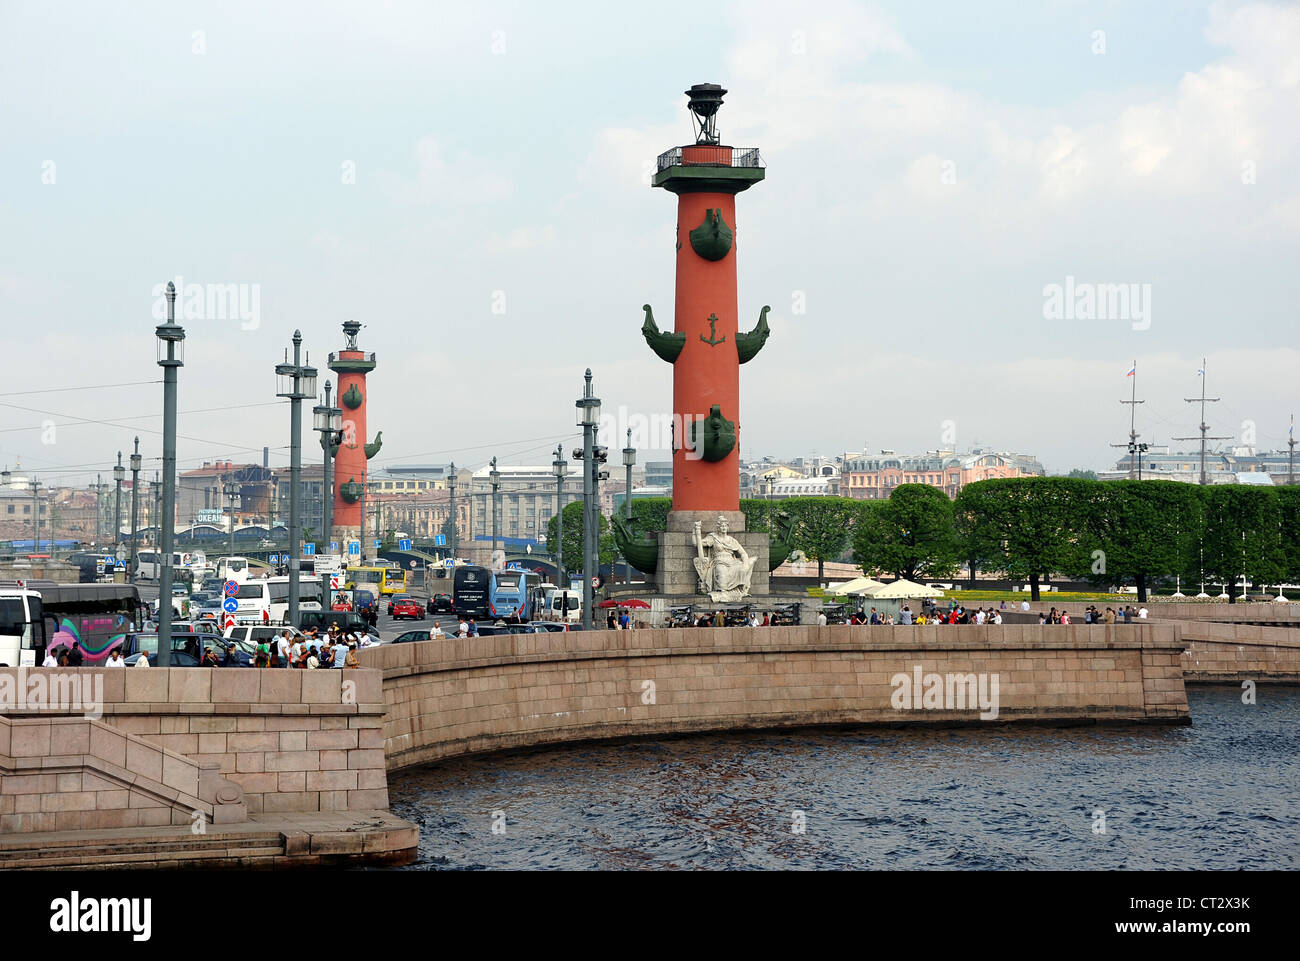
<point x="411" y="636"/>
<point x="440" y="604"/>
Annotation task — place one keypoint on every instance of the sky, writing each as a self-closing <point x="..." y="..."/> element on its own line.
<point x="469" y="181"/>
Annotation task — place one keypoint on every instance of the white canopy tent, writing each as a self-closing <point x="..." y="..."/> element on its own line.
<point x="904" y="589"/>
<point x="859" y="585"/>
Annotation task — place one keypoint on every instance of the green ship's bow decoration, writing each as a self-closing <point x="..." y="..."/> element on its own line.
<point x="373" y="447"/>
<point x="719" y="436"/>
<point x="643" y="553"/>
<point x="351" y="491"/>
<point x="747" y="345"/>
<point x="712" y="239"/>
<point x="334" y="448"/>
<point x="667" y="346"/>
<point x="778" y="547"/>
<point x="352" y="399"/>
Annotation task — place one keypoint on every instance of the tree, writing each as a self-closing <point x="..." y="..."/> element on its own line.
<point x="1242" y="534"/>
<point x="910" y="535"/>
<point x="1134" y="529"/>
<point x="822" y="526"/>
<point x="573" y="530"/>
<point x="1022" y="522"/>
<point x="1080" y="474"/>
<point x="650" y="514"/>
<point x="1288" y="504"/>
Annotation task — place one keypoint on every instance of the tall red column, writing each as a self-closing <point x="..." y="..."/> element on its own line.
<point x="707" y="346"/>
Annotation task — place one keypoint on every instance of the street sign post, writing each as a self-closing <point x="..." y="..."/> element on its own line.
<point x="231" y="588"/>
<point x="230" y="605"/>
<point x="334" y="547"/>
<point x="309" y="548"/>
<point x="404" y="544"/>
<point x="439" y="540"/>
<point x="354" y="549"/>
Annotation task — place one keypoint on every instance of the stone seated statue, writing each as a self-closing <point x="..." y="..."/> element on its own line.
<point x="724" y="566"/>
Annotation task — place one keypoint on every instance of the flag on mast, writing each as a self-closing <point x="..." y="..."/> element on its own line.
<point x="1132" y="371"/>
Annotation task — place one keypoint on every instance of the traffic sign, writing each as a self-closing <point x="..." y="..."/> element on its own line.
<point x="449" y="562"/>
<point x="334" y="547"/>
<point x="378" y="542"/>
<point x="309" y="548"/>
<point x="354" y="548"/>
<point x="228" y="621"/>
<point x="439" y="540"/>
<point x="336" y="581"/>
<point x="403" y="545"/>
<point x="230" y="605"/>
<point x="231" y="588"/>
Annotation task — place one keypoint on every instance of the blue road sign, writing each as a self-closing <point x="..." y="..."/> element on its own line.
<point x="449" y="562"/>
<point x="309" y="548"/>
<point x="378" y="542"/>
<point x="231" y="588"/>
<point x="230" y="605"/>
<point x="404" y="544"/>
<point x="334" y="547"/>
<point x="439" y="540"/>
<point x="354" y="548"/>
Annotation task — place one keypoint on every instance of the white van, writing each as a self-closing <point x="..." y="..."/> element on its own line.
<point x="563" y="605"/>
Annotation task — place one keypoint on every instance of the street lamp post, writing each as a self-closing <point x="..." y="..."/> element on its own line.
<point x="171" y="357"/>
<point x="99" y="519"/>
<point x="327" y="420"/>
<point x="119" y="475"/>
<point x="494" y="476"/>
<point x="231" y="490"/>
<point x="629" y="458"/>
<point x="36" y="519"/>
<point x="559" y="467"/>
<point x="157" y="510"/>
<point x="136" y="461"/>
<point x="451" y="486"/>
<point x="297" y="382"/>
<point x="588" y="418"/>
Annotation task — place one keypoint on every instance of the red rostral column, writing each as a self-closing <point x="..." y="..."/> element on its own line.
<point x="706" y="348"/>
<point x="352" y="365"/>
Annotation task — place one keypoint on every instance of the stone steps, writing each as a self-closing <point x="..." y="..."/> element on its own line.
<point x="143" y="851"/>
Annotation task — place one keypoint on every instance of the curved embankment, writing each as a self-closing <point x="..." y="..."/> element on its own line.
<point x="460" y="696"/>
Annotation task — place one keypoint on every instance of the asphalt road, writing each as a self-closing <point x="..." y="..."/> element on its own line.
<point x="389" y="628"/>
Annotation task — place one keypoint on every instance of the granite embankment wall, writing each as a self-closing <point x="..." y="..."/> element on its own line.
<point x="297" y="741"/>
<point x="459" y="696"/>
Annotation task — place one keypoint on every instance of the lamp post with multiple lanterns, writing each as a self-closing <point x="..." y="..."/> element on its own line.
<point x="136" y="461"/>
<point x="171" y="357"/>
<point x="297" y="382"/>
<point x="327" y="420"/>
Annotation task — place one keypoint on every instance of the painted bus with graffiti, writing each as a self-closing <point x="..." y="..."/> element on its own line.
<point x="94" y="617"/>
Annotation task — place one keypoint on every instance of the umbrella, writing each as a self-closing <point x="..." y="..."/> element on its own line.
<point x="631" y="602"/>
<point x="859" y="585"/>
<point x="904" y="588"/>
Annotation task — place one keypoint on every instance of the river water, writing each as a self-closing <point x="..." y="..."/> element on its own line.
<point x="1223" y="793"/>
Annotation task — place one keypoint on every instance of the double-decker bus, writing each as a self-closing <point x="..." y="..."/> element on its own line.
<point x="470" y="592"/>
<point x="512" y="594"/>
<point x="377" y="580"/>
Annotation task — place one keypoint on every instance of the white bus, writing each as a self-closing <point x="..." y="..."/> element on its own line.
<point x="232" y="569"/>
<point x="21" y="625"/>
<point x="310" y="596"/>
<point x="254" y="600"/>
<point x="148" y="564"/>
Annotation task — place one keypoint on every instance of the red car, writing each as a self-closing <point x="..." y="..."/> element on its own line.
<point x="405" y="606"/>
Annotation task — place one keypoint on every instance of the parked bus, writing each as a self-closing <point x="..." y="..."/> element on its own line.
<point x="254" y="602"/>
<point x="469" y="594"/>
<point x="97" y="616"/>
<point x="511" y="596"/>
<point x="194" y="564"/>
<point x="378" y="580"/>
<point x="310" y="596"/>
<point x="22" y="625"/>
